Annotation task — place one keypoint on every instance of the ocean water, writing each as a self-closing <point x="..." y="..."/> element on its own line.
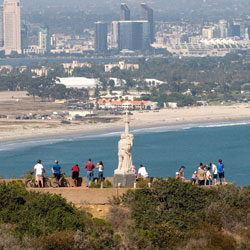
<point x="161" y="149"/>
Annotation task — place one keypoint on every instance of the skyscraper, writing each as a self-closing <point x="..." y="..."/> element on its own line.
<point x="1" y="27"/>
<point x="101" y="33"/>
<point x="125" y="12"/>
<point x="223" y="29"/>
<point x="148" y="14"/>
<point x="43" y="38"/>
<point x="115" y="34"/>
<point x="12" y="26"/>
<point x="134" y="35"/>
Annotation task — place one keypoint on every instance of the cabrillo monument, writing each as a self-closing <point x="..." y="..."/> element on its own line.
<point x="124" y="175"/>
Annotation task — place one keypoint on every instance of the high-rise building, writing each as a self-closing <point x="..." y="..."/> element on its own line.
<point x="43" y="38"/>
<point x="125" y="12"/>
<point x="134" y="35"/>
<point x="208" y="32"/>
<point x="148" y="14"/>
<point x="1" y="28"/>
<point x="223" y="28"/>
<point x="115" y="34"/>
<point x="101" y="33"/>
<point x="12" y="26"/>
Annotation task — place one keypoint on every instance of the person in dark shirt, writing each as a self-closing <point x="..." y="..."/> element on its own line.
<point x="220" y="170"/>
<point x="90" y="173"/>
<point x="56" y="170"/>
<point x="75" y="174"/>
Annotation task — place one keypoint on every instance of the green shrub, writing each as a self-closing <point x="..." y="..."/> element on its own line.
<point x="106" y="184"/>
<point x="142" y="183"/>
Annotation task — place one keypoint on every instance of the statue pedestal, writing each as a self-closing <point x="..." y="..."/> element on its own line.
<point x="125" y="180"/>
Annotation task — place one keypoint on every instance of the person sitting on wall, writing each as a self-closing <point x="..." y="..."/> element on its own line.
<point x="142" y="172"/>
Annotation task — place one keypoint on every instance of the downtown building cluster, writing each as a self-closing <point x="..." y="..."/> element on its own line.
<point x="127" y="34"/>
<point x="13" y="33"/>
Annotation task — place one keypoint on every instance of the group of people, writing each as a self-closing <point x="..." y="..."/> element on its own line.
<point x="205" y="175"/>
<point x="89" y="166"/>
<point x="57" y="172"/>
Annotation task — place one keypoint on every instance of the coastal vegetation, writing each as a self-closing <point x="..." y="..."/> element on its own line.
<point x="169" y="215"/>
<point x="184" y="81"/>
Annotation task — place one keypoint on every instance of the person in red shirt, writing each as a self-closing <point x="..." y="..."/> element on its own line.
<point x="90" y="173"/>
<point x="75" y="174"/>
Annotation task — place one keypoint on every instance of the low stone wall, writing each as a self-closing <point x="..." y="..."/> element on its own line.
<point x="85" y="196"/>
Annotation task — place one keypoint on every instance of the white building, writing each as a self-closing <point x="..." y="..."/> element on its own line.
<point x="78" y="82"/>
<point x="122" y="66"/>
<point x="126" y="105"/>
<point x="69" y="67"/>
<point x="12" y="26"/>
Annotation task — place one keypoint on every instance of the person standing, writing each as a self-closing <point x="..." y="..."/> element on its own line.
<point x="90" y="173"/>
<point x="194" y="178"/>
<point x="100" y="167"/>
<point x="57" y="170"/>
<point x="220" y="170"/>
<point x="75" y="174"/>
<point x="209" y="177"/>
<point x="181" y="171"/>
<point x="215" y="173"/>
<point x="201" y="176"/>
<point x="39" y="169"/>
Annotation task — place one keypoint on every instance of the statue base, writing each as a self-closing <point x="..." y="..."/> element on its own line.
<point x="125" y="180"/>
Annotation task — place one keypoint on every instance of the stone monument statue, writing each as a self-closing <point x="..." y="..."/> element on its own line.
<point x="124" y="174"/>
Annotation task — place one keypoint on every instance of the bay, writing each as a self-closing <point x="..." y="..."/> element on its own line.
<point x="161" y="149"/>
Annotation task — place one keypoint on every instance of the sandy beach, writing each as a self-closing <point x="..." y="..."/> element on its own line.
<point x="11" y="130"/>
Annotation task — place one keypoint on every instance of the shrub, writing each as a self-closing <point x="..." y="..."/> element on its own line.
<point x="106" y="184"/>
<point x="58" y="241"/>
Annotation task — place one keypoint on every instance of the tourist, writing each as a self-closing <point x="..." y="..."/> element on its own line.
<point x="194" y="177"/>
<point x="205" y="169"/>
<point x="56" y="170"/>
<point x="201" y="165"/>
<point x="220" y="170"/>
<point x="177" y="176"/>
<point x="201" y="176"/>
<point x="214" y="170"/>
<point x="100" y="167"/>
<point x="134" y="170"/>
<point x="208" y="176"/>
<point x="39" y="169"/>
<point x="75" y="174"/>
<point x="90" y="173"/>
<point x="181" y="172"/>
<point x="142" y="172"/>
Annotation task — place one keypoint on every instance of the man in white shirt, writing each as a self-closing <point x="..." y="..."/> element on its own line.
<point x="142" y="172"/>
<point x="39" y="169"/>
<point x="215" y="172"/>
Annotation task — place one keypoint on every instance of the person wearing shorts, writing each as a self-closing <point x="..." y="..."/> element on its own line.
<point x="215" y="173"/>
<point x="57" y="170"/>
<point x="75" y="174"/>
<point x="39" y="169"/>
<point x="220" y="170"/>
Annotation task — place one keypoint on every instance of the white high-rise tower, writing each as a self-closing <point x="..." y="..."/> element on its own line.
<point x="12" y="26"/>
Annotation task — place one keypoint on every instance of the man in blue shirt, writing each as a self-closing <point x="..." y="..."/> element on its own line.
<point x="220" y="170"/>
<point x="56" y="170"/>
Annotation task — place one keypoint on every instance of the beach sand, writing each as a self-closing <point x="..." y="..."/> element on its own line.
<point x="11" y="129"/>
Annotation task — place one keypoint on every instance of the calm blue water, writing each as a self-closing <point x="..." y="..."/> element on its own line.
<point x="162" y="150"/>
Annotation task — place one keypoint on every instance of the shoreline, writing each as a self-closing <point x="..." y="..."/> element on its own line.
<point x="139" y="120"/>
<point x="92" y="132"/>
